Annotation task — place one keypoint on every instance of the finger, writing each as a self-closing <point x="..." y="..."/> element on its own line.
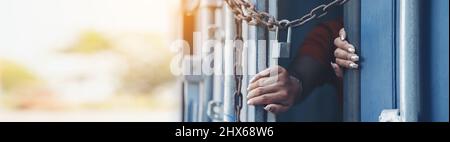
<point x="346" y="63"/>
<point x="270" y="98"/>
<point x="261" y="91"/>
<point x="266" y="81"/>
<point x="337" y="70"/>
<point x="344" y="45"/>
<point x="276" y="108"/>
<point x="342" y="34"/>
<point x="267" y="72"/>
<point x="255" y="84"/>
<point x="342" y="54"/>
<point x="263" y="82"/>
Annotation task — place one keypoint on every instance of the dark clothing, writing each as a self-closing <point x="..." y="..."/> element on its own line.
<point x="312" y="64"/>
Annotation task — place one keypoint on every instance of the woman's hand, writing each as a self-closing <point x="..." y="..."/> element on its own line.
<point x="344" y="54"/>
<point x="275" y="88"/>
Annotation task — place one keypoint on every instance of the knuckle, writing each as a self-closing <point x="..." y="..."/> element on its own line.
<point x="252" y="86"/>
<point x="260" y="82"/>
<point x="279" y="68"/>
<point x="259" y="91"/>
<point x="264" y="99"/>
<point x="282" y="83"/>
<point x="284" y="93"/>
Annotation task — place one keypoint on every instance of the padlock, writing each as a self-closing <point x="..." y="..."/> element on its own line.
<point x="282" y="49"/>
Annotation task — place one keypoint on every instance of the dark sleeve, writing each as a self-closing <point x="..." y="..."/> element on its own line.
<point x="312" y="64"/>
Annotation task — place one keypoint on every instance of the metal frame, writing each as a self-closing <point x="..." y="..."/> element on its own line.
<point x="409" y="60"/>
<point x="352" y="24"/>
<point x="229" y="86"/>
<point x="258" y="53"/>
<point x="207" y="27"/>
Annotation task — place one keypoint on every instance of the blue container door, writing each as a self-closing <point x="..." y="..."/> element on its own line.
<point x="378" y="44"/>
<point x="435" y="64"/>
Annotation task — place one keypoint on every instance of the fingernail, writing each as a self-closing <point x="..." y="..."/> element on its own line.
<point x="342" y="34"/>
<point x="342" y="38"/>
<point x="351" y="50"/>
<point x="355" y="58"/>
<point x="249" y="103"/>
<point x="252" y="79"/>
<point x="333" y="66"/>
<point x="353" y="65"/>
<point x="267" y="108"/>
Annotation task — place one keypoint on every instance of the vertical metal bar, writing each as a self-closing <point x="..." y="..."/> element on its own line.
<point x="218" y="85"/>
<point x="251" y="66"/>
<point x="409" y="59"/>
<point x="188" y="28"/>
<point x="192" y="79"/>
<point x="258" y="51"/>
<point x="206" y="19"/>
<point x="207" y="13"/>
<point x="352" y="24"/>
<point x="245" y="73"/>
<point x="191" y="109"/>
<point x="229" y="86"/>
<point x="273" y="10"/>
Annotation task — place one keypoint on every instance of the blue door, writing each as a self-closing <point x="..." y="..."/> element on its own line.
<point x="378" y="52"/>
<point x="376" y="31"/>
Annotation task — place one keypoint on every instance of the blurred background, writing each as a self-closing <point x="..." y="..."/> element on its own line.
<point x="87" y="60"/>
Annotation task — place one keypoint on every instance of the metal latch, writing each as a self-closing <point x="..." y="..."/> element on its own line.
<point x="390" y="115"/>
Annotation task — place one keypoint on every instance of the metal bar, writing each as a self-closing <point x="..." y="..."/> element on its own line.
<point x="352" y="24"/>
<point x="258" y="51"/>
<point x="218" y="85"/>
<point x="206" y="19"/>
<point x="245" y="71"/>
<point x="251" y="66"/>
<point x="273" y="10"/>
<point x="192" y="79"/>
<point x="188" y="28"/>
<point x="208" y="29"/>
<point x="229" y="86"/>
<point x="409" y="59"/>
<point x="191" y="109"/>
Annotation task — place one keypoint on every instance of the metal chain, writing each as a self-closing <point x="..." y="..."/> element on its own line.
<point x="238" y="70"/>
<point x="244" y="10"/>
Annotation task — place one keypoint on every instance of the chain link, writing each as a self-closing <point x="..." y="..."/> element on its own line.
<point x="238" y="70"/>
<point x="244" y="10"/>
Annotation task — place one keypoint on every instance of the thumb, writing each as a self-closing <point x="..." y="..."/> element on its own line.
<point x="337" y="70"/>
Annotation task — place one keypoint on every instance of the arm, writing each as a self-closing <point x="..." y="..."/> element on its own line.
<point x="312" y="66"/>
